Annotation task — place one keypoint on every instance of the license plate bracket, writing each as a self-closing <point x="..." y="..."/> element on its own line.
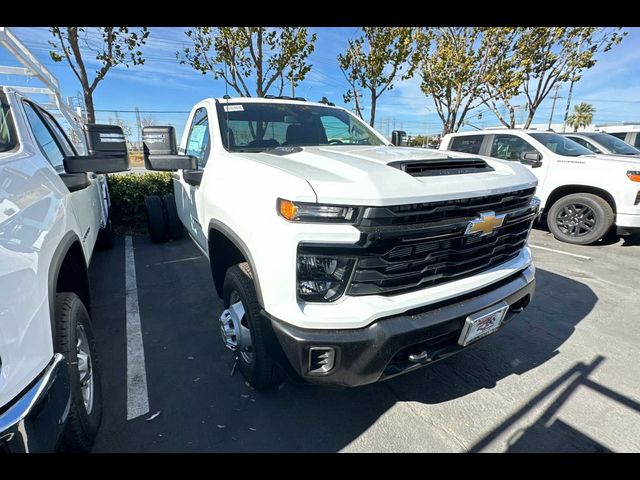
<point x="482" y="323"/>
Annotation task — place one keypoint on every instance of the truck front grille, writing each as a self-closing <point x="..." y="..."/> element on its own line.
<point x="411" y="247"/>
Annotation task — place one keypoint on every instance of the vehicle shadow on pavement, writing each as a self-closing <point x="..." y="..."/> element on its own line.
<point x="203" y="408"/>
<point x="529" y="340"/>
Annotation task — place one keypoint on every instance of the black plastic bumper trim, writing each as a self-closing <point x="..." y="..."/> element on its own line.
<point x="365" y="355"/>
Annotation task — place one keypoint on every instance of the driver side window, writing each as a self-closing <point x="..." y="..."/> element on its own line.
<point x="198" y="139"/>
<point x="510" y="147"/>
<point x="46" y="141"/>
<point x="585" y="144"/>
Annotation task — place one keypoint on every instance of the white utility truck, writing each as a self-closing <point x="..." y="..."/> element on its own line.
<point x="53" y="210"/>
<point x="340" y="258"/>
<point x="582" y="194"/>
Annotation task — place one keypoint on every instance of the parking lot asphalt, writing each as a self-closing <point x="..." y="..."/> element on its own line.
<point x="562" y="376"/>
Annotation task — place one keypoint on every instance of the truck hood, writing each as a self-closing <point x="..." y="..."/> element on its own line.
<point x="360" y="175"/>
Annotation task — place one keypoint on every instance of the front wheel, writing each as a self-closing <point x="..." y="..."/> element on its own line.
<point x="74" y="339"/>
<point x="243" y="330"/>
<point x="580" y="218"/>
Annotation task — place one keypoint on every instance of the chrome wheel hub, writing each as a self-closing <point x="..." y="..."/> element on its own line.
<point x="85" y="367"/>
<point x="234" y="328"/>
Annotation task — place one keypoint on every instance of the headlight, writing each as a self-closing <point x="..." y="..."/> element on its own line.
<point x="314" y="212"/>
<point x="322" y="278"/>
<point x="633" y="175"/>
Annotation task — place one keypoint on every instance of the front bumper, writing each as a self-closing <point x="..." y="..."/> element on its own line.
<point x="382" y="349"/>
<point x="34" y="422"/>
<point x="628" y="221"/>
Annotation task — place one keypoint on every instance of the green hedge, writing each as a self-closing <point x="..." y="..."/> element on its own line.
<point x="127" y="193"/>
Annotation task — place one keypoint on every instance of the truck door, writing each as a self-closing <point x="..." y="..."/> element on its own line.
<point x="55" y="145"/>
<point x="189" y="201"/>
<point x="506" y="146"/>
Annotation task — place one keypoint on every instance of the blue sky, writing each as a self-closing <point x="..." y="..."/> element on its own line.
<point x="163" y="84"/>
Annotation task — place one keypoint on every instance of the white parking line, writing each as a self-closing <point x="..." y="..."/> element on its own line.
<point x="137" y="395"/>
<point x="584" y="257"/>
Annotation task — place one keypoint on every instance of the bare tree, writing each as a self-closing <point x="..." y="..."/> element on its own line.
<point x="117" y="46"/>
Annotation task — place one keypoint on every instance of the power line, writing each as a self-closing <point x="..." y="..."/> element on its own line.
<point x="141" y="111"/>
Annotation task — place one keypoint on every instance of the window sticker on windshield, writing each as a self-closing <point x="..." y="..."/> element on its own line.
<point x="233" y="108"/>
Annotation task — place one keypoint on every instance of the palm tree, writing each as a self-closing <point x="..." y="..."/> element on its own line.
<point x="581" y="116"/>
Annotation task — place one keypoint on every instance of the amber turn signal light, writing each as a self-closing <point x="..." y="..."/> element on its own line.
<point x="634" y="176"/>
<point x="287" y="209"/>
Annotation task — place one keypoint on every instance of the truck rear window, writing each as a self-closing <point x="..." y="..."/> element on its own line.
<point x="466" y="144"/>
<point x="7" y="132"/>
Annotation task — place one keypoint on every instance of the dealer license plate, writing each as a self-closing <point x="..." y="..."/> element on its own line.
<point x="482" y="323"/>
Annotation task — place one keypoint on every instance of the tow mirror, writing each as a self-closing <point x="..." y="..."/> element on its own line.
<point x="161" y="153"/>
<point x="399" y="138"/>
<point x="107" y="151"/>
<point x="533" y="159"/>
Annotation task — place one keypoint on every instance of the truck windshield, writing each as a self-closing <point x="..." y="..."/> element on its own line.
<point x="561" y="145"/>
<point x="254" y="127"/>
<point x="615" y="145"/>
<point x="7" y="135"/>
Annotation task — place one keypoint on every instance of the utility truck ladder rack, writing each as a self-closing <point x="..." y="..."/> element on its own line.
<point x="33" y="68"/>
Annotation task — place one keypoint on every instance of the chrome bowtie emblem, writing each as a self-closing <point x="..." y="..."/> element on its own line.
<point x="485" y="224"/>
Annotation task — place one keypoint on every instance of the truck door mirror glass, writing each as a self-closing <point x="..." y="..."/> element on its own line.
<point x="533" y="159"/>
<point x="107" y="151"/>
<point x="399" y="138"/>
<point x="161" y="153"/>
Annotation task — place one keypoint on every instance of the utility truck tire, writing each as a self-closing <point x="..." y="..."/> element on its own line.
<point x="156" y="223"/>
<point x="580" y="218"/>
<point x="253" y="354"/>
<point x="74" y="339"/>
<point x="174" y="225"/>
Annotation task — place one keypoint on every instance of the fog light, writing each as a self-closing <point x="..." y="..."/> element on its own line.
<point x="321" y="360"/>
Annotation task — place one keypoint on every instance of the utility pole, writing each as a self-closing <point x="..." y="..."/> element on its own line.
<point x="566" y="110"/>
<point x="553" y="105"/>
<point x="138" y="123"/>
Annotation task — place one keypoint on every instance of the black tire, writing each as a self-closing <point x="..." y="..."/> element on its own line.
<point x="156" y="223"/>
<point x="106" y="238"/>
<point x="82" y="425"/>
<point x="600" y="214"/>
<point x="174" y="225"/>
<point x="262" y="373"/>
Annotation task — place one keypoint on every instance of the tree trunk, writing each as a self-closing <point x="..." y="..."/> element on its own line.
<point x="88" y="103"/>
<point x="372" y="118"/>
<point x="532" y="112"/>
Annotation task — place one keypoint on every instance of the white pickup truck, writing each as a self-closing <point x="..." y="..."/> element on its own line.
<point x="340" y="258"/>
<point x="53" y="205"/>
<point x="583" y="194"/>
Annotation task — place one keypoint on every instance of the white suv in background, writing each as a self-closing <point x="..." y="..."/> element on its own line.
<point x="626" y="133"/>
<point x="582" y="194"/>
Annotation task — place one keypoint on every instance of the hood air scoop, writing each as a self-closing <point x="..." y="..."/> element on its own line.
<point x="444" y="166"/>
